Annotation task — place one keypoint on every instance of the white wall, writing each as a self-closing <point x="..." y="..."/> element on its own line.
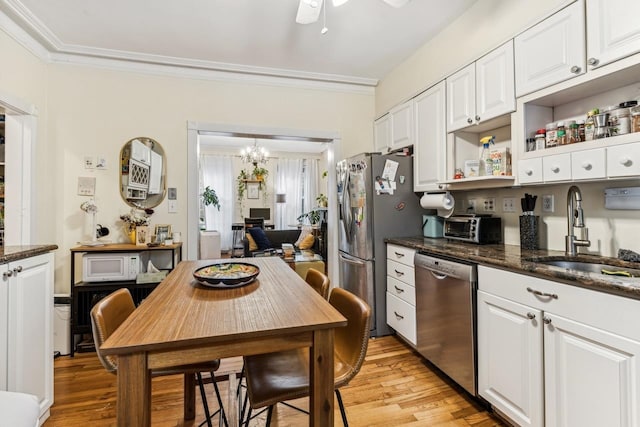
<point x="93" y="112"/>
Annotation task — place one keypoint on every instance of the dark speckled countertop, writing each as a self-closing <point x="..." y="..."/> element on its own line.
<point x="14" y="253"/>
<point x="511" y="257"/>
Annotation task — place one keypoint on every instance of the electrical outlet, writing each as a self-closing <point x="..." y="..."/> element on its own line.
<point x="489" y="204"/>
<point x="547" y="203"/>
<point x="509" y="204"/>
<point x="471" y="205"/>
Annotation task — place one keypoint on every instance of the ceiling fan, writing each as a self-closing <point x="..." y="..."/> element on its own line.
<point x="309" y="10"/>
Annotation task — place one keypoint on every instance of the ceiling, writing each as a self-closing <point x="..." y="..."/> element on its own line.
<point x="365" y="41"/>
<point x="272" y="145"/>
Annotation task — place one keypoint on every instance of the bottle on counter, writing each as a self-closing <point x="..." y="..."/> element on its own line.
<point x="590" y="125"/>
<point x="541" y="139"/>
<point x="551" y="135"/>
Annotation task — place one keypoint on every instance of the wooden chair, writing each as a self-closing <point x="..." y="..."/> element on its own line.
<point x="276" y="377"/>
<point x="109" y="313"/>
<point x="318" y="281"/>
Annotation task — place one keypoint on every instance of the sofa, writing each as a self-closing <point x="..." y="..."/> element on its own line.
<point x="277" y="238"/>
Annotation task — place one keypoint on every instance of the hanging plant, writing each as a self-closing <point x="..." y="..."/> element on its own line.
<point x="209" y="197"/>
<point x="260" y="174"/>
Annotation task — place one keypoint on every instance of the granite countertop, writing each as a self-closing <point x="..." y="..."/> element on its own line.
<point x="513" y="258"/>
<point x="14" y="253"/>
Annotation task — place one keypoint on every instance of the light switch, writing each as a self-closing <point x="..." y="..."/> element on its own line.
<point x="173" y="206"/>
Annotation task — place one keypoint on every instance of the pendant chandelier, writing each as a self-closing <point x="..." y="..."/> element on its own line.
<point x="254" y="154"/>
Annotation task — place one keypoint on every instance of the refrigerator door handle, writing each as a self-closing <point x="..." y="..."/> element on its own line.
<point x="346" y="210"/>
<point x="351" y="260"/>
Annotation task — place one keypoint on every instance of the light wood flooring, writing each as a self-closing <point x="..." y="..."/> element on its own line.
<point x="394" y="388"/>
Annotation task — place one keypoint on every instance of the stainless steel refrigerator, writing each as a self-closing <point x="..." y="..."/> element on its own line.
<point x="376" y="201"/>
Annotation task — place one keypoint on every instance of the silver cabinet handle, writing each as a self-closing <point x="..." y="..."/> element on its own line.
<point x="575" y="69"/>
<point x="7" y="274"/>
<point x="531" y="316"/>
<point x="399" y="255"/>
<point x="542" y="294"/>
<point x="477" y="118"/>
<point x="398" y="316"/>
<point x="398" y="290"/>
<point x="469" y="120"/>
<point x="399" y="273"/>
<point x="546" y="320"/>
<point x="593" y="61"/>
<point x="18" y="269"/>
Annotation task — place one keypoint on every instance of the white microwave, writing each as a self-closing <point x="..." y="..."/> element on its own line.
<point x="110" y="267"/>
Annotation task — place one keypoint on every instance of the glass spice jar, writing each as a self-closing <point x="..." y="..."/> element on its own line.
<point x="541" y="139"/>
<point x="635" y="121"/>
<point x="551" y="139"/>
<point x="561" y="134"/>
<point x="580" y="126"/>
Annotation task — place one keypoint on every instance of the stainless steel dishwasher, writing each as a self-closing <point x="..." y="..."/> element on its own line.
<point x="445" y="313"/>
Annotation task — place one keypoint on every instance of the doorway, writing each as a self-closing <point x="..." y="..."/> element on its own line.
<point x="196" y="130"/>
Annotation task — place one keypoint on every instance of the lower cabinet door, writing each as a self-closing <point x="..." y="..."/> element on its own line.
<point x="592" y="377"/>
<point x="401" y="316"/>
<point x="510" y="370"/>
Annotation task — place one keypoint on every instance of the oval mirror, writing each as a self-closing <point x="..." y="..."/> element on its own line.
<point x="142" y="173"/>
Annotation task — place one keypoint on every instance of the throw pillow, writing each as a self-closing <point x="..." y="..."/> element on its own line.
<point x="307" y="242"/>
<point x="261" y="239"/>
<point x="253" y="246"/>
<point x="306" y="230"/>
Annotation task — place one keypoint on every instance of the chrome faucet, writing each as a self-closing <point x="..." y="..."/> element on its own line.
<point x="575" y="222"/>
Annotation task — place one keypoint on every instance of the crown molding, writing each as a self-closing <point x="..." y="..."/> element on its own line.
<point x="26" y="29"/>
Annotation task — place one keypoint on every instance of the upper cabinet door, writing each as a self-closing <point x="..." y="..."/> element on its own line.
<point x="402" y="125"/>
<point x="429" y="150"/>
<point x="461" y="98"/>
<point x="551" y="51"/>
<point x="613" y="30"/>
<point x="382" y="134"/>
<point x="495" y="86"/>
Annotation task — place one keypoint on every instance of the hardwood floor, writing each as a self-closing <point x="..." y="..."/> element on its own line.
<point x="394" y="388"/>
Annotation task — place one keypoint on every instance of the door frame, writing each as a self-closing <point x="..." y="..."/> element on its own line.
<point x="193" y="153"/>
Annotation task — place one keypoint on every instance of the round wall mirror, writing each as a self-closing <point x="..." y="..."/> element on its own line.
<point x="142" y="173"/>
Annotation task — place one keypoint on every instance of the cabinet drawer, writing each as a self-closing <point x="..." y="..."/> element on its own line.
<point x="401" y="290"/>
<point x="401" y="316"/>
<point x="556" y="168"/>
<point x="530" y="170"/>
<point x="588" y="164"/>
<point x="402" y="272"/>
<point x="623" y="160"/>
<point x="401" y="254"/>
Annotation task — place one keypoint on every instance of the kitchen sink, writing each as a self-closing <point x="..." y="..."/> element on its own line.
<point x="591" y="267"/>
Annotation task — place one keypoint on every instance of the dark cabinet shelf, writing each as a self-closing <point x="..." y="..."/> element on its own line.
<point x="84" y="295"/>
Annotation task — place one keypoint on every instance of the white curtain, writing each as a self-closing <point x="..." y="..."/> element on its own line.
<point x="289" y="182"/>
<point x="217" y="173"/>
<point x="311" y="185"/>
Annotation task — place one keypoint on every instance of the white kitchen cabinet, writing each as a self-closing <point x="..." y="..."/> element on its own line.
<point x="530" y="171"/>
<point x="382" y="134"/>
<point x="578" y="348"/>
<point x="623" y="160"/>
<point x="481" y="91"/>
<point x="401" y="293"/>
<point x="588" y="164"/>
<point x="591" y="375"/>
<point x="551" y="51"/>
<point x="429" y="149"/>
<point x="401" y="125"/>
<point x="510" y="370"/>
<point x="556" y="168"/>
<point x="28" y="355"/>
<point x="613" y="30"/>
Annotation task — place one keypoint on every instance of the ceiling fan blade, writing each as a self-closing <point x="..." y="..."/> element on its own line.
<point x="396" y="3"/>
<point x="308" y="11"/>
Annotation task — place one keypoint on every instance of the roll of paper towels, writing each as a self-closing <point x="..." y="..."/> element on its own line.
<point x="442" y="202"/>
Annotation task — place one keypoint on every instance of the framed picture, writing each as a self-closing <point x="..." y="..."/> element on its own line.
<point x="253" y="190"/>
<point x="142" y="235"/>
<point x="162" y="232"/>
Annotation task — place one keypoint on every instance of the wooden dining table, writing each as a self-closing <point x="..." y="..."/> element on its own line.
<point x="183" y="321"/>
